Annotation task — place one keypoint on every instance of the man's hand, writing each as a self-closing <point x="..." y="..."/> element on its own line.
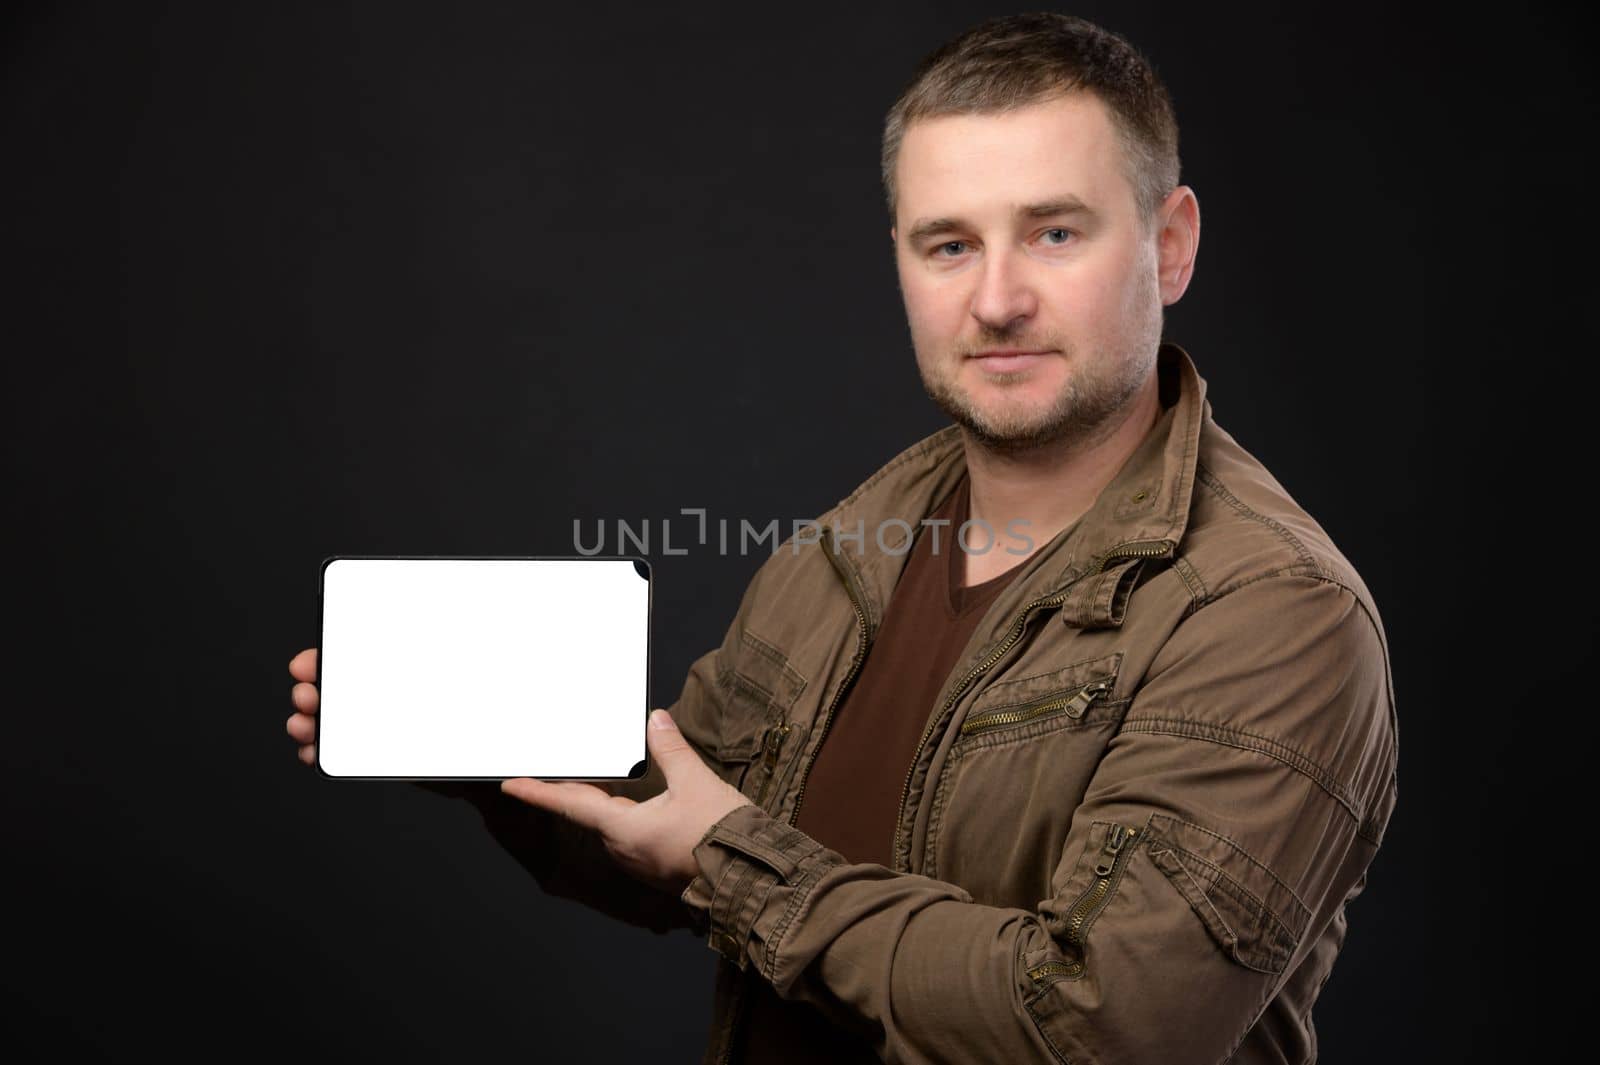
<point x="652" y="840"/>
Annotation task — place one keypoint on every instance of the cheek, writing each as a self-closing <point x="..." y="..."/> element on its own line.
<point x="919" y="314"/>
<point x="934" y="311"/>
<point x="1121" y="291"/>
<point x="1085" y="312"/>
<point x="1098" y="291"/>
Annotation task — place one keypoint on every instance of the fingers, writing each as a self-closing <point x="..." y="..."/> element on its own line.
<point x="582" y="804"/>
<point x="305" y="698"/>
<point x="301" y="727"/>
<point x="303" y="666"/>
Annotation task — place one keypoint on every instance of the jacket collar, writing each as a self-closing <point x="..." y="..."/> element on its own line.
<point x="1140" y="515"/>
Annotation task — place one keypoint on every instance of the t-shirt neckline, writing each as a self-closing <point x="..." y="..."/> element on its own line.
<point x="959" y="599"/>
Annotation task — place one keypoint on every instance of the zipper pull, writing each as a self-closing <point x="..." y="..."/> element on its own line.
<point x="773" y="741"/>
<point x="1089" y="694"/>
<point x="1114" y="843"/>
<point x="769" y="745"/>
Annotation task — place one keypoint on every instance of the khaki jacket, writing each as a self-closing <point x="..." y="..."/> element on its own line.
<point x="1136" y="816"/>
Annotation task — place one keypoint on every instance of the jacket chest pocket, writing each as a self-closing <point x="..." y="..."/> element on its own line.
<point x="1022" y="757"/>
<point x="760" y="687"/>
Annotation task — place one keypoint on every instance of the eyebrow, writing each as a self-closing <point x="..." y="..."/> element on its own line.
<point x="1064" y="205"/>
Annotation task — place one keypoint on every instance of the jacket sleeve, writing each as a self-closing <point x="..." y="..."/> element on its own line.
<point x="571" y="862"/>
<point x="1233" y="813"/>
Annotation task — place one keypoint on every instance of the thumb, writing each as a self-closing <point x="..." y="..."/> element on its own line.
<point x="667" y="745"/>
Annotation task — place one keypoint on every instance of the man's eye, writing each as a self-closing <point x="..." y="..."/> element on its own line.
<point x="947" y="244"/>
<point x="1065" y="233"/>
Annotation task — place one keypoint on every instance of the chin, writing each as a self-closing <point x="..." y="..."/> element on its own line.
<point x="1012" y="425"/>
<point x="1014" y="407"/>
<point x="1027" y="400"/>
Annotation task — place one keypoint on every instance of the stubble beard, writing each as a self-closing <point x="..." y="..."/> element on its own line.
<point x="1096" y="393"/>
<point x="1092" y="402"/>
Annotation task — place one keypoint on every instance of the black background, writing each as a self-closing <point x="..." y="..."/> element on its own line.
<point x="292" y="281"/>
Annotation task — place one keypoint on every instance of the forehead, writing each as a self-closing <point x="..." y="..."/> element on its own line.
<point x="972" y="163"/>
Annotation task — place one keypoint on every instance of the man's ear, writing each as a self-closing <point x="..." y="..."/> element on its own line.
<point x="892" y="237"/>
<point x="1179" y="242"/>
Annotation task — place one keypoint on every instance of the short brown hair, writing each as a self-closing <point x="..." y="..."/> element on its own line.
<point x="1018" y="60"/>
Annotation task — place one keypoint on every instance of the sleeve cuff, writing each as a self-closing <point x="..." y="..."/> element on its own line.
<point x="755" y="870"/>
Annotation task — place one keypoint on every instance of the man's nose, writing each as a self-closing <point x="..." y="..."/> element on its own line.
<point x="1004" y="293"/>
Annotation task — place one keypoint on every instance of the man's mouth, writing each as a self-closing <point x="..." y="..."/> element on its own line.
<point x="1003" y="360"/>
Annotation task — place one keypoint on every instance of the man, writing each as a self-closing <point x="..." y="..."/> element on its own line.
<point x="1098" y="794"/>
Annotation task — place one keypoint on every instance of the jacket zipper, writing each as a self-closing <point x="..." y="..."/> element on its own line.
<point x="1148" y="549"/>
<point x="1105" y="870"/>
<point x="771" y="743"/>
<point x="864" y="636"/>
<point x="1075" y="706"/>
<point x="1159" y="547"/>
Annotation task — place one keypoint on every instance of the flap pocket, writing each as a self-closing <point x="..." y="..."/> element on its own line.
<point x="761" y="687"/>
<point x="1252" y="915"/>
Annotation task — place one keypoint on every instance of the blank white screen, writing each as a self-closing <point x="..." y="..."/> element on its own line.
<point x="483" y="667"/>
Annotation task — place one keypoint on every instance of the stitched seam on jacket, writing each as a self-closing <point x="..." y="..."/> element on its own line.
<point x="1232" y="737"/>
<point x="1243" y="852"/>
<point x="719" y="890"/>
<point x="942" y="793"/>
<point x="734" y="680"/>
<point x="1211" y="481"/>
<point x="1039" y="1026"/>
<point x="1191" y="577"/>
<point x="1183" y="489"/>
<point x="787" y="838"/>
<point x="733" y="915"/>
<point x="776" y="657"/>
<point x="714" y="929"/>
<point x="1229" y="885"/>
<point x="802" y="890"/>
<point x="1370" y="830"/>
<point x="763" y="648"/>
<point x="777" y="836"/>
<point x="1309" y="570"/>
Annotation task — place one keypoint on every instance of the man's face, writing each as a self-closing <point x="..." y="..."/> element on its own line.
<point x="1019" y="232"/>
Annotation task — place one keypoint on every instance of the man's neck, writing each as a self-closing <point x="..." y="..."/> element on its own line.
<point x="1048" y="489"/>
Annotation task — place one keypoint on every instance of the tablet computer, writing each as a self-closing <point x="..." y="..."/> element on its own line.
<point x="483" y="667"/>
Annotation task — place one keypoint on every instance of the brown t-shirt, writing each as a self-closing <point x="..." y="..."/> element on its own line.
<point x="852" y="794"/>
